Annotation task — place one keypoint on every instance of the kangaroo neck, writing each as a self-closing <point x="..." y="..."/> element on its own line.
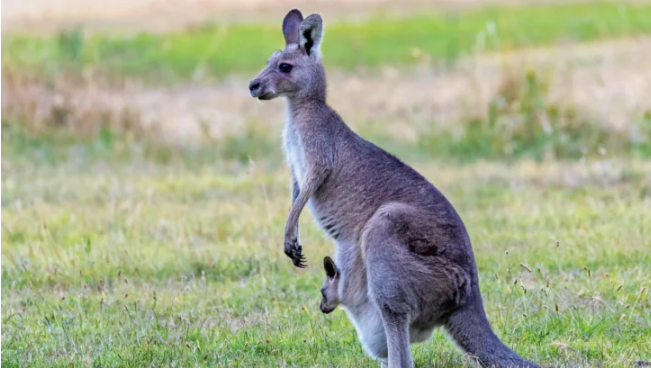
<point x="300" y="106"/>
<point x="304" y="114"/>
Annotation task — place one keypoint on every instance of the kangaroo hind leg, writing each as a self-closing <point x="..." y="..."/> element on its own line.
<point x="390" y="289"/>
<point x="397" y="331"/>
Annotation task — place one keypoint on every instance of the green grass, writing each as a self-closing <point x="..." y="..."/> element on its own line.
<point x="121" y="252"/>
<point x="221" y="49"/>
<point x="115" y="261"/>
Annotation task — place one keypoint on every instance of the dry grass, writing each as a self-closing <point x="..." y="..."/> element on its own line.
<point x="606" y="82"/>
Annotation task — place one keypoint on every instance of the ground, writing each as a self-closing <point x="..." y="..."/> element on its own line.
<point x="144" y="193"/>
<point x="139" y="264"/>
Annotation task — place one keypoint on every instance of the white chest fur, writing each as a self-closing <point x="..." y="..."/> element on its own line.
<point x="294" y="152"/>
<point x="295" y="157"/>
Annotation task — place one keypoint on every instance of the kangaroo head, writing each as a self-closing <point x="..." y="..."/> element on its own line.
<point x="329" y="291"/>
<point x="295" y="71"/>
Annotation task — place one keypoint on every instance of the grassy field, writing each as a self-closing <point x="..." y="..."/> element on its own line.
<point x="119" y="250"/>
<point x="107" y="262"/>
<point x="222" y="49"/>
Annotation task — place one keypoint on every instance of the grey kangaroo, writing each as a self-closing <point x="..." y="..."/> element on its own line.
<point x="404" y="261"/>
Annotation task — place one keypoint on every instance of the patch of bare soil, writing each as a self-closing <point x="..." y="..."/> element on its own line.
<point x="608" y="82"/>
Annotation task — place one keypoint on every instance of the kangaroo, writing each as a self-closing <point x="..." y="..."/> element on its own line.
<point x="330" y="289"/>
<point x="331" y="300"/>
<point x="405" y="264"/>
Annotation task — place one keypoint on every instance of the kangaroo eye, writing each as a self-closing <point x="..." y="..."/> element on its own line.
<point x="285" y="68"/>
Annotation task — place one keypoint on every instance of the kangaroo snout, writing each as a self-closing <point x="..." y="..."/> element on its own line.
<point x="262" y="89"/>
<point x="255" y="88"/>
<point x="325" y="309"/>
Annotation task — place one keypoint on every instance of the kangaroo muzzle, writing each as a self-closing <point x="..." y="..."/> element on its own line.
<point x="255" y="88"/>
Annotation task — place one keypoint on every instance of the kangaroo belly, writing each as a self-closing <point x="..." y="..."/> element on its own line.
<point x="329" y="220"/>
<point x="370" y="330"/>
<point x="340" y="214"/>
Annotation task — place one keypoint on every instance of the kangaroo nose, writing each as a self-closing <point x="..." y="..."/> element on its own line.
<point x="254" y="87"/>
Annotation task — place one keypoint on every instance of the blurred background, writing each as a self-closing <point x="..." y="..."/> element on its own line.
<point x="144" y="192"/>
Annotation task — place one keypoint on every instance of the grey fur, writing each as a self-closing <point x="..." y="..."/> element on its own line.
<point x="404" y="260"/>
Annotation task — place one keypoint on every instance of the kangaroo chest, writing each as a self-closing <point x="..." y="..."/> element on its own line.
<point x="294" y="153"/>
<point x="323" y="212"/>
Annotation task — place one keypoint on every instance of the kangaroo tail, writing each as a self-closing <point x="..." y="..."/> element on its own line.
<point x="471" y="330"/>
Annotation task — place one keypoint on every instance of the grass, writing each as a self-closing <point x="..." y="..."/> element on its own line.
<point x="522" y="118"/>
<point x="522" y="122"/>
<point x="110" y="261"/>
<point x="120" y="251"/>
<point x="218" y="50"/>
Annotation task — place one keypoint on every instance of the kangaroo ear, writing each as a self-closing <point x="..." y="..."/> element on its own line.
<point x="311" y="34"/>
<point x="291" y="25"/>
<point x="330" y="268"/>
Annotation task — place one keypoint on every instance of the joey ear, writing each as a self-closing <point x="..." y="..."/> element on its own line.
<point x="291" y="25"/>
<point x="330" y="268"/>
<point x="311" y="33"/>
